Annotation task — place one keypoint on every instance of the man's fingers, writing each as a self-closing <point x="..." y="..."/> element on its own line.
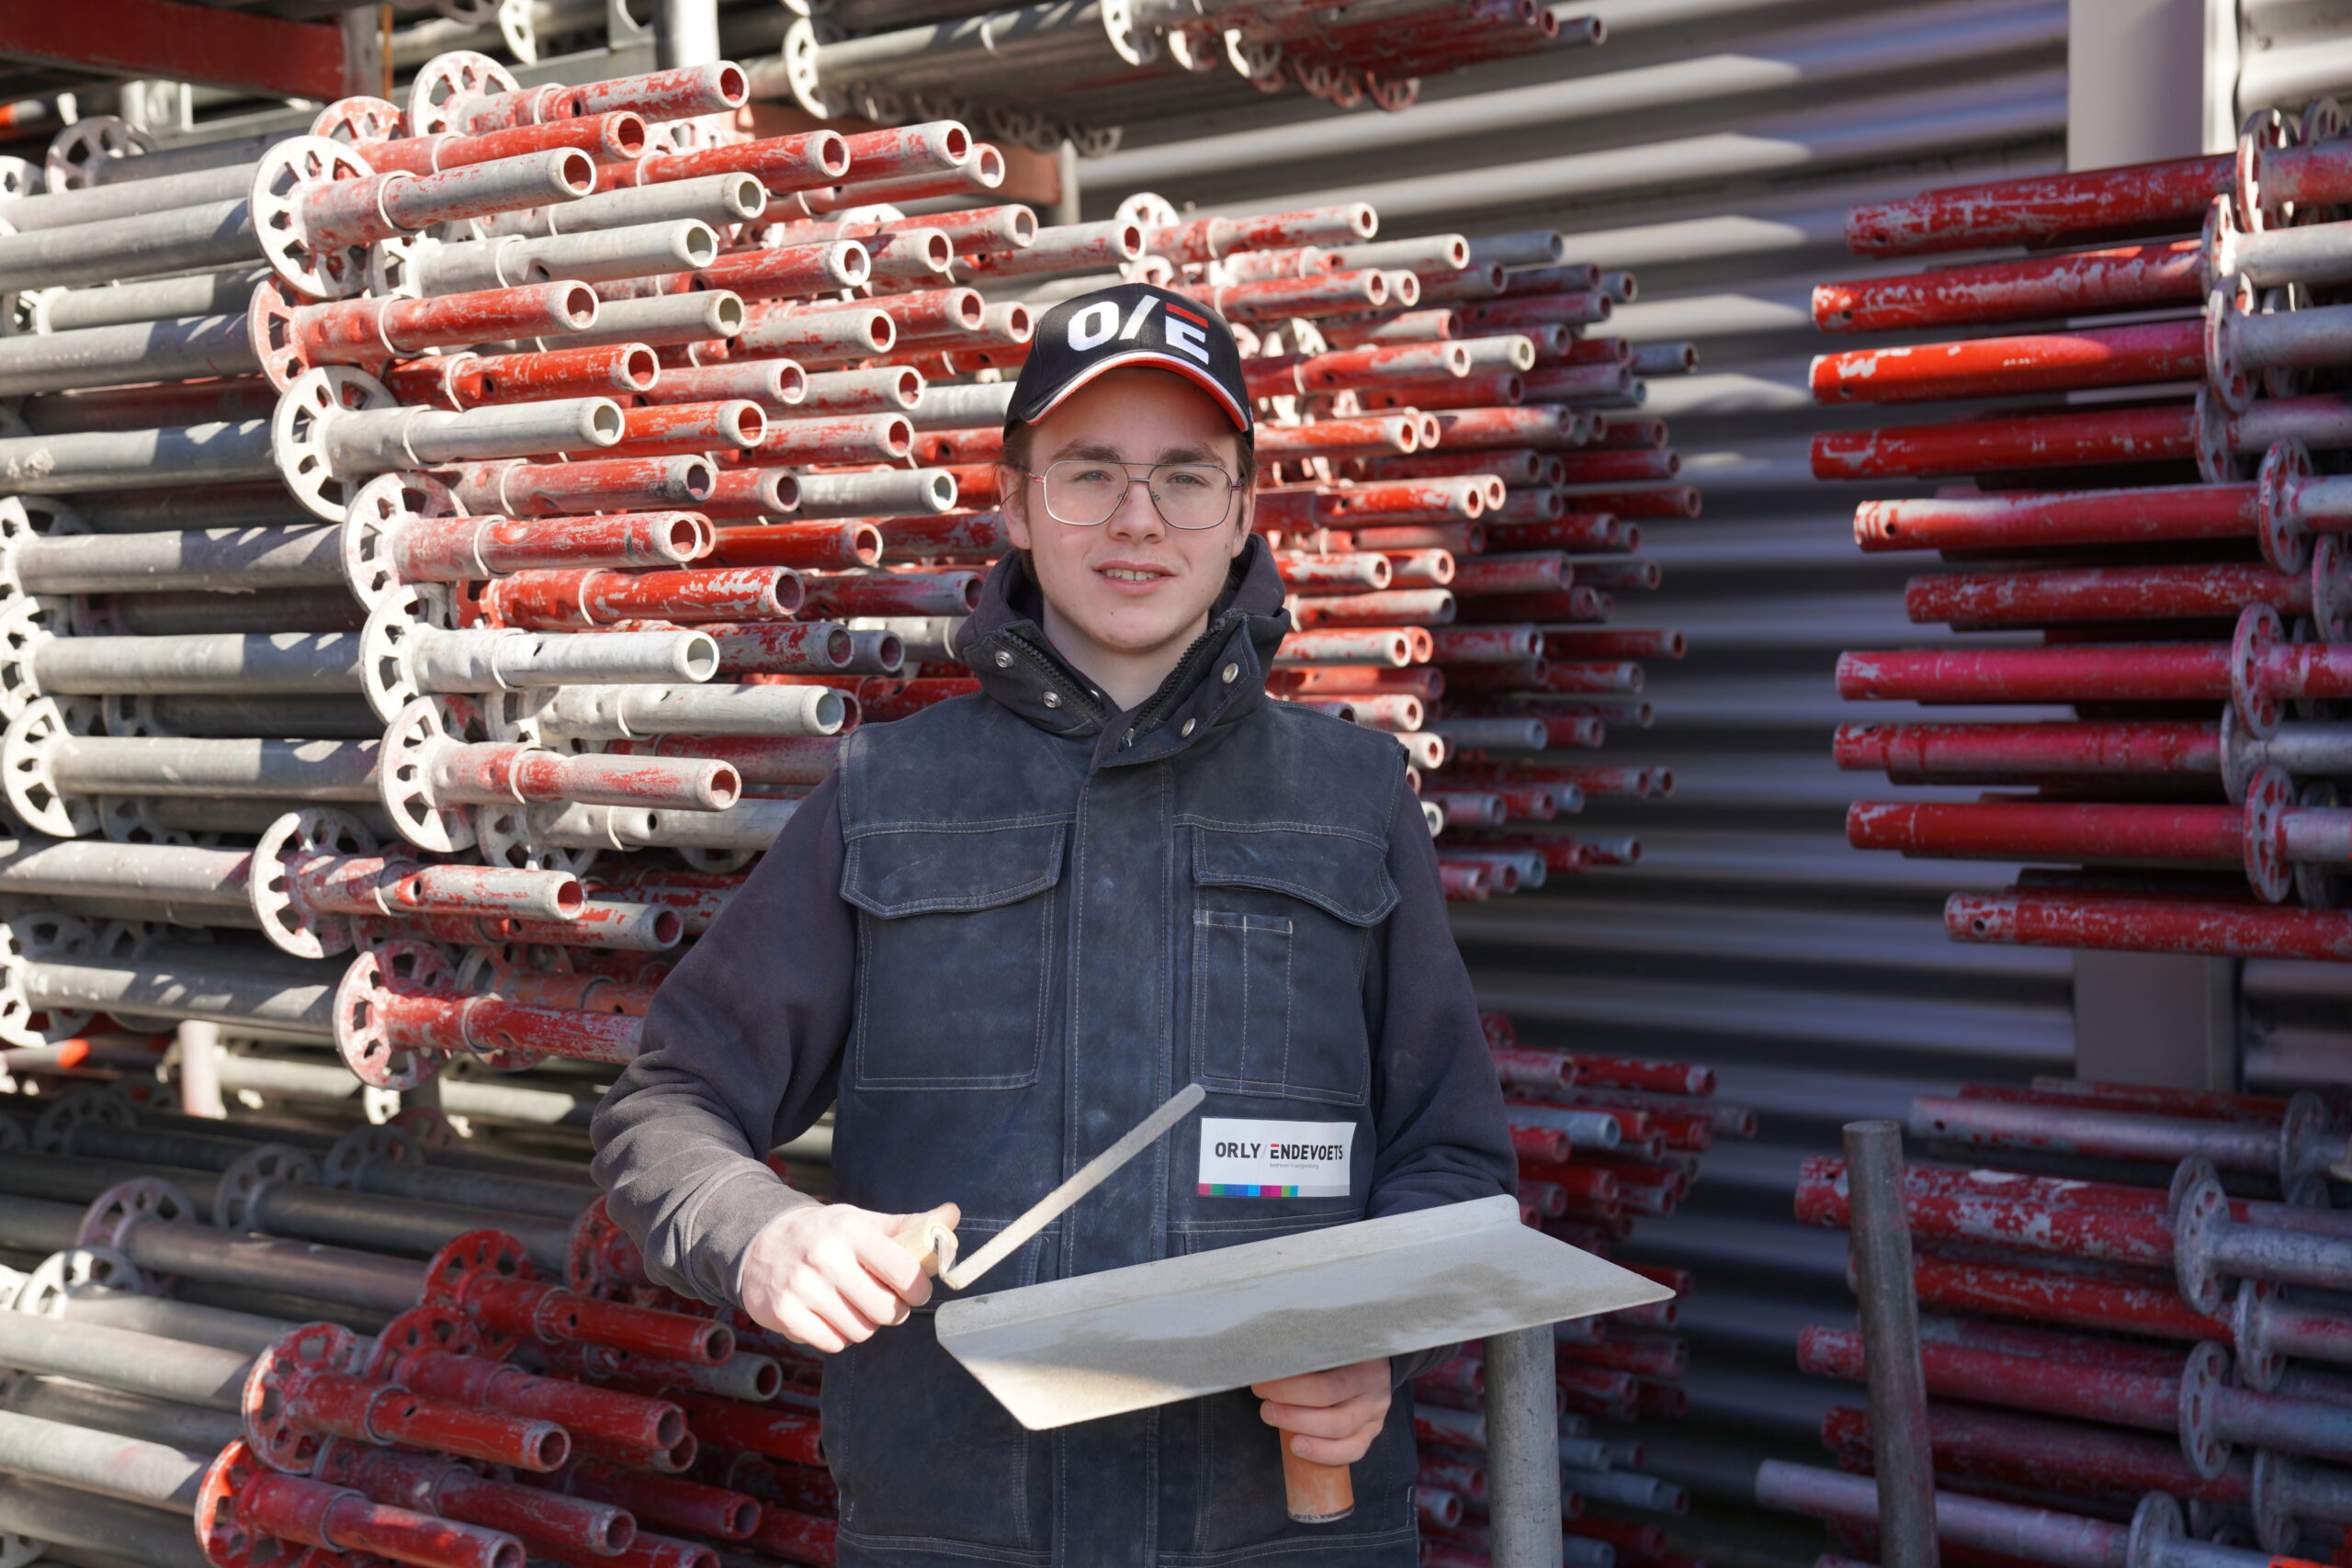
<point x="1327" y="1451"/>
<point x="1326" y="1420"/>
<point x="845" y="1273"/>
<point x="882" y="1251"/>
<point x="799" y="1324"/>
<point x="1333" y="1387"/>
<point x="821" y="1296"/>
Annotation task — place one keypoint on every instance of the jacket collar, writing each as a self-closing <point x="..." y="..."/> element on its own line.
<point x="1219" y="680"/>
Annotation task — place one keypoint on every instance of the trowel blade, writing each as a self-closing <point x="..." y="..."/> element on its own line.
<point x="1128" y="1338"/>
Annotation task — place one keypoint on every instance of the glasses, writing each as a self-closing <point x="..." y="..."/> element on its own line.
<point x="1084" y="491"/>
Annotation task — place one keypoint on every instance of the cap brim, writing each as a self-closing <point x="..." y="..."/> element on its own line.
<point x="1146" y="358"/>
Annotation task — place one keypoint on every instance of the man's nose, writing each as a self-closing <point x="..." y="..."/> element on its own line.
<point x="1137" y="517"/>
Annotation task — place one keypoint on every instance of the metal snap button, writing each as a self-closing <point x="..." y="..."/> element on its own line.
<point x="1053" y="699"/>
<point x="1229" y="674"/>
<point x="1191" y="725"/>
<point x="1003" y="660"/>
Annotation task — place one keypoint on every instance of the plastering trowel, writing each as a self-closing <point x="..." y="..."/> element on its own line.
<point x="1078" y="1349"/>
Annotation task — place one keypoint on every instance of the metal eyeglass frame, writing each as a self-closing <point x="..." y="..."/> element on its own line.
<point x="1232" y="487"/>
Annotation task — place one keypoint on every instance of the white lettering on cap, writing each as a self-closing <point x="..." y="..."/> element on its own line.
<point x="1092" y="327"/>
<point x="1137" y="316"/>
<point x="1183" y="334"/>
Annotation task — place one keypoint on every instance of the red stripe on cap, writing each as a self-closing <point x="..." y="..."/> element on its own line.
<point x="1196" y="321"/>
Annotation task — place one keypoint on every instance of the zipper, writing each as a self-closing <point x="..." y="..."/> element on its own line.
<point x="1060" y="675"/>
<point x="1184" y="676"/>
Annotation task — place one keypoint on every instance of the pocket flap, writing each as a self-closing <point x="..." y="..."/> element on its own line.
<point x="1337" y="873"/>
<point x="892" y="872"/>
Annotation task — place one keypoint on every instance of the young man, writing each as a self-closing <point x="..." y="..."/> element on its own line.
<point x="1008" y="928"/>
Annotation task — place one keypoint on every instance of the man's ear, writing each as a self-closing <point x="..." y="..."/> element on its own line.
<point x="1013" y="501"/>
<point x="1249" y="517"/>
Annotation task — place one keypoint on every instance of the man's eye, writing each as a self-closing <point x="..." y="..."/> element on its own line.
<point x="1087" y="476"/>
<point x="1180" y="478"/>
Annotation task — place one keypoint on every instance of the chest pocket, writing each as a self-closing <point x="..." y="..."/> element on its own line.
<point x="954" y="944"/>
<point x="1282" y="921"/>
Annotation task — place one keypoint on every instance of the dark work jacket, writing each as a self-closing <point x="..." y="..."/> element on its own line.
<point x="1060" y="916"/>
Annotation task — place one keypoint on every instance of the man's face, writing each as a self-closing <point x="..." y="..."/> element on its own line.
<point x="1132" y="585"/>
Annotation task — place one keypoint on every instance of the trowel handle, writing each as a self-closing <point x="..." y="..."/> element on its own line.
<point x="1318" y="1493"/>
<point x="930" y="1242"/>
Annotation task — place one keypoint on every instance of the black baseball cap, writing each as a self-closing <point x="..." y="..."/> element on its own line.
<point x="1131" y="325"/>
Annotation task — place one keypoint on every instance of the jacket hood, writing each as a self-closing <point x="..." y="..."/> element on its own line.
<point x="1221" y="677"/>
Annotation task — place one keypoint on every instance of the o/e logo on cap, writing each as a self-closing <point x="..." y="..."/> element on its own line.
<point x="1096" y="325"/>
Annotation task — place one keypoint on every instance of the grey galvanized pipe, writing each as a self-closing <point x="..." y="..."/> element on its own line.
<point x="1522" y="1451"/>
<point x="416" y="1226"/>
<point x="749" y="824"/>
<point x="220" y="453"/>
<point x="889" y="492"/>
<point x="2035" y="1534"/>
<point x="956" y="407"/>
<point x="507" y="660"/>
<point x="223" y="1328"/>
<point x="1900" y="1451"/>
<point x="297" y="1008"/>
<point x="328" y="1273"/>
<point x="595" y="256"/>
<point x="182" y="349"/>
<point x="664" y="318"/>
<point x="395" y="1178"/>
<point x="176" y="873"/>
<point x="291" y="664"/>
<point x="132" y="1415"/>
<point x="267" y="770"/>
<point x="716" y="199"/>
<point x="198" y="294"/>
<point x="100" y="203"/>
<point x="123" y="1468"/>
<point x="620" y="713"/>
<point x="515" y="1102"/>
<point x="116" y="1358"/>
<point x="203" y="238"/>
<point x="124" y="1531"/>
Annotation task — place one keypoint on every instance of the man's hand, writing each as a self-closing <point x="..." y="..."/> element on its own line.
<point x="829" y="1274"/>
<point x="1330" y="1417"/>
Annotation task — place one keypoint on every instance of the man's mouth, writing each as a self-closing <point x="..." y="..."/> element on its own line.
<point x="1133" y="573"/>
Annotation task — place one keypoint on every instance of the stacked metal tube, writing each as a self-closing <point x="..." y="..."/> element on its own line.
<point x="2165" y="564"/>
<point x="2091" y="1337"/>
<point x="412" y="556"/>
<point x="355" y="1347"/>
<point x="1105" y="61"/>
<point x="1602" y="1142"/>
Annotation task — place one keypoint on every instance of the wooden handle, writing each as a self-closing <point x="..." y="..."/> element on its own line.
<point x="930" y="1242"/>
<point x="1318" y="1493"/>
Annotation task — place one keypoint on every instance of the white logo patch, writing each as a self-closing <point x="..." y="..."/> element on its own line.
<point x="1274" y="1159"/>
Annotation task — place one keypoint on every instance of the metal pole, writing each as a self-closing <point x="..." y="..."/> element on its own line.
<point x="685" y="32"/>
<point x="1523" y="1451"/>
<point x="1890" y="1315"/>
<point x="199" y="1043"/>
